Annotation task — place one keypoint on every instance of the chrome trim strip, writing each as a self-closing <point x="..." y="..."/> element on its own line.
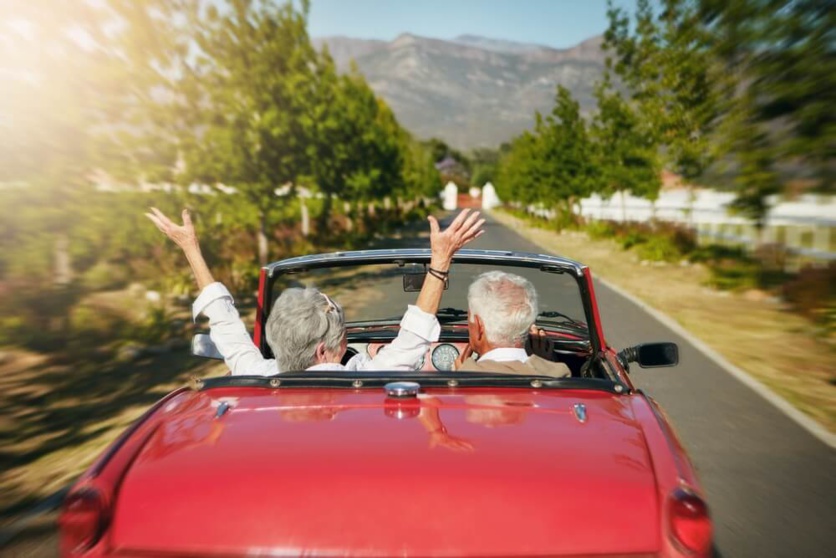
<point x="422" y="255"/>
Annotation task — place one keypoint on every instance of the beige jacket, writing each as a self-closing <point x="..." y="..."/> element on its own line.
<point x="533" y="366"/>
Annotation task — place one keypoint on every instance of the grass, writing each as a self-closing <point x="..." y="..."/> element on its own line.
<point x="58" y="416"/>
<point x="759" y="335"/>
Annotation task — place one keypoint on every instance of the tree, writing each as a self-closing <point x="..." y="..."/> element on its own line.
<point x="626" y="157"/>
<point x="666" y="64"/>
<point x="249" y="89"/>
<point x="567" y="152"/>
<point x="550" y="165"/>
<point x="777" y="59"/>
<point x="85" y="94"/>
<point x="520" y="171"/>
<point x="484" y="163"/>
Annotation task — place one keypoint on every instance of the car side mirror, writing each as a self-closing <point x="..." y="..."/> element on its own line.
<point x="203" y="346"/>
<point x="651" y="355"/>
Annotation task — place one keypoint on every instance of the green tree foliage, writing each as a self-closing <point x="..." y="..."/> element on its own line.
<point x="115" y="105"/>
<point x="553" y="165"/>
<point x="625" y="154"/>
<point x="249" y="90"/>
<point x="777" y="59"/>
<point x="747" y="83"/>
<point x="356" y="149"/>
<point x="71" y="118"/>
<point x="665" y="62"/>
<point x="485" y="162"/>
<point x="520" y="173"/>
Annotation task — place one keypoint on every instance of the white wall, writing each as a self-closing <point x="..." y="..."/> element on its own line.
<point x="807" y="225"/>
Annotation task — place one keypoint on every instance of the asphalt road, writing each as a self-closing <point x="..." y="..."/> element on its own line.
<point x="771" y="485"/>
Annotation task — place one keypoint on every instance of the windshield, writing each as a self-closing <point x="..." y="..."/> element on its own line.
<point x="376" y="292"/>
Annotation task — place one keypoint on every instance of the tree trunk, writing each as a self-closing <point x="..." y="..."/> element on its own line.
<point x="322" y="228"/>
<point x="623" y="208"/>
<point x="262" y="238"/>
<point x="306" y="218"/>
<point x="63" y="266"/>
<point x="349" y="223"/>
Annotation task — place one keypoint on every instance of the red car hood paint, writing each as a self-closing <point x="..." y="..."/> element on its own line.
<point x="329" y="472"/>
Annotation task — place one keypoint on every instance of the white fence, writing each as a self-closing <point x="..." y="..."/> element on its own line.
<point x="806" y="226"/>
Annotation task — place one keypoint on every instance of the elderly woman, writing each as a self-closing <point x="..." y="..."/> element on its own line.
<point x="306" y="328"/>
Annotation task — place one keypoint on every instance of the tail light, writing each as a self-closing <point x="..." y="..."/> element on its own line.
<point x="82" y="522"/>
<point x="690" y="522"/>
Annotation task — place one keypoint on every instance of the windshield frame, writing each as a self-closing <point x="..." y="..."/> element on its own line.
<point x="401" y="257"/>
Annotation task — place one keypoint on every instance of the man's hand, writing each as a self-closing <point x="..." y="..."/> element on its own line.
<point x="539" y="344"/>
<point x="183" y="235"/>
<point x="444" y="244"/>
<point x="465" y="354"/>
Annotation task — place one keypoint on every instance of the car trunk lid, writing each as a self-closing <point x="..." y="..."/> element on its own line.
<point x="335" y="472"/>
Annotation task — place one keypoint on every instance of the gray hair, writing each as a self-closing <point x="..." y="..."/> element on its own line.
<point x="507" y="304"/>
<point x="299" y="321"/>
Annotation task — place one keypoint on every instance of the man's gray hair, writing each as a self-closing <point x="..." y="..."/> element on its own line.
<point x="299" y="321"/>
<point x="507" y="304"/>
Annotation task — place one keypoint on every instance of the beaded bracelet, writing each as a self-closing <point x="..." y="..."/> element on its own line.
<point x="442" y="275"/>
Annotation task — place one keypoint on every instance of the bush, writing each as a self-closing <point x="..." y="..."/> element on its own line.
<point x="631" y="238"/>
<point x="40" y="315"/>
<point x="659" y="249"/>
<point x="734" y="275"/>
<point x="813" y="295"/>
<point x="105" y="276"/>
<point x="716" y="252"/>
<point x="156" y="327"/>
<point x="657" y="242"/>
<point x="599" y="230"/>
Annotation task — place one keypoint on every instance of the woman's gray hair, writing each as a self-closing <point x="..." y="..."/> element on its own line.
<point x="299" y="321"/>
<point x="507" y="304"/>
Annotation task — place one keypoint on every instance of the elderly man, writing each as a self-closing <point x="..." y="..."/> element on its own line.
<point x="502" y="310"/>
<point x="306" y="328"/>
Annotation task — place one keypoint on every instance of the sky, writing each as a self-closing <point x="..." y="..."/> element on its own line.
<point x="554" y="23"/>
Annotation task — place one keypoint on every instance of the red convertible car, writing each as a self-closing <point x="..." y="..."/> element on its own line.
<point x="429" y="462"/>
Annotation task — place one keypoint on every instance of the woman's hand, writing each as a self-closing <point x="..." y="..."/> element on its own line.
<point x="444" y="244"/>
<point x="183" y="235"/>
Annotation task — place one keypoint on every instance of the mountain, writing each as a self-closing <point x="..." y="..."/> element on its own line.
<point x="470" y="91"/>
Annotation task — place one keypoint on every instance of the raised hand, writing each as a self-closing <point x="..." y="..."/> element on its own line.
<point x="444" y="244"/>
<point x="183" y="235"/>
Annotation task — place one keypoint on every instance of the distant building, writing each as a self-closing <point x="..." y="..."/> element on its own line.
<point x="449" y="167"/>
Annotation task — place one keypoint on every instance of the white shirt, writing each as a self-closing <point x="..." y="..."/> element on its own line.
<point x="418" y="330"/>
<point x="505" y="354"/>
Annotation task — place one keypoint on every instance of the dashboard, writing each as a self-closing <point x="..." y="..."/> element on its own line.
<point x="438" y="358"/>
